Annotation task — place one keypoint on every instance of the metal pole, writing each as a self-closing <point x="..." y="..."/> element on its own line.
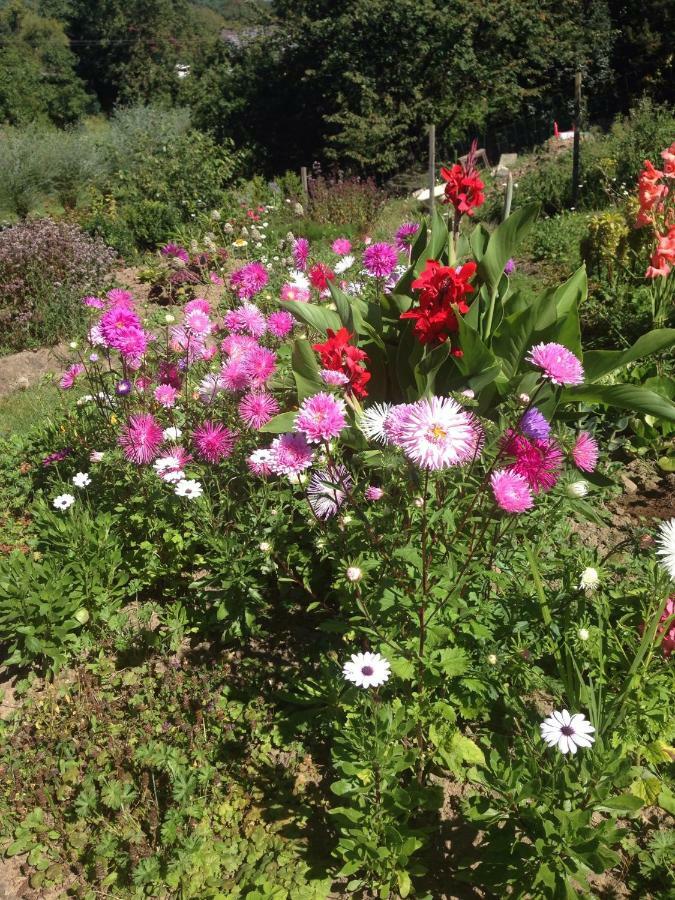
<point x="576" y="151"/>
<point x="305" y="185"/>
<point x="508" y="197"/>
<point x="432" y="168"/>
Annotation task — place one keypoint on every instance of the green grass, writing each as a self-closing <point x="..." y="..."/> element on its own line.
<point x="22" y="410"/>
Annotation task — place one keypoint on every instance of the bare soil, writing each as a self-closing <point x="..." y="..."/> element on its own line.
<point x="20" y="371"/>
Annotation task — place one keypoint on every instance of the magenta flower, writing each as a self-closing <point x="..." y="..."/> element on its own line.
<point x="405" y="234"/>
<point x="379" y="260"/>
<point x="260" y="364"/>
<point x="511" y="491"/>
<point x="141" y="439"/>
<point x="321" y="418"/>
<point x="93" y="302"/>
<point x="341" y="246"/>
<point x="120" y="297"/>
<point x="213" y="441"/>
<point x="198" y="322"/>
<point x="327" y="489"/>
<point x="173" y="251"/>
<point x="69" y="376"/>
<point x="249" y="280"/>
<point x="198" y="303"/>
<point x="301" y="253"/>
<point x="246" y="319"/>
<point x="238" y="346"/>
<point x="294" y="292"/>
<point x="280" y="324"/>
<point x="166" y="395"/>
<point x="539" y="462"/>
<point x="374" y="493"/>
<point x="585" y="452"/>
<point x="291" y="454"/>
<point x="234" y="375"/>
<point x="132" y="342"/>
<point x="256" y="409"/>
<point x="56" y="457"/>
<point x="333" y="377"/>
<point x="95" y="336"/>
<point x="558" y="363"/>
<point x="438" y="432"/>
<point x="116" y="321"/>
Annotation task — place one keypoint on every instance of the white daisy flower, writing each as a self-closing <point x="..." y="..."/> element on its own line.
<point x="172" y="434"/>
<point x="166" y="463"/>
<point x="85" y="398"/>
<point x="589" y="579"/>
<point x="666" y="542"/>
<point x="96" y="456"/>
<point x="372" y="420"/>
<point x="81" y="480"/>
<point x="299" y="280"/>
<point x="188" y="487"/>
<point x="366" y="670"/>
<point x="577" y="489"/>
<point x="567" y="732"/>
<point x="63" y="501"/>
<point x="172" y="476"/>
<point x="343" y="264"/>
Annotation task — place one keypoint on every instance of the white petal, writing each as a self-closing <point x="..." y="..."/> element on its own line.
<point x="566" y="717"/>
<point x="582" y="740"/>
<point x="558" y="717"/>
<point x="563" y="744"/>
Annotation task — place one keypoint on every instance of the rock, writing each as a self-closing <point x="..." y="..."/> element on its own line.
<point x="22" y="384"/>
<point x="629" y="486"/>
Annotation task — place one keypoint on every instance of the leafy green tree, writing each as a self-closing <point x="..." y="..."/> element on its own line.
<point x="38" y="81"/>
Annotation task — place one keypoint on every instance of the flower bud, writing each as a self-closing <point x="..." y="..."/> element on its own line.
<point x="265" y="546"/>
<point x="492" y="659"/>
<point x="523" y="399"/>
<point x="589" y="579"/>
<point x="82" y="616"/>
<point x="577" y="489"/>
<point x="419" y="502"/>
<point x="73" y="345"/>
<point x="583" y="634"/>
<point x="168" y="318"/>
<point x="354" y="573"/>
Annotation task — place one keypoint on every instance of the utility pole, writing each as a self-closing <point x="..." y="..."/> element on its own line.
<point x="432" y="168"/>
<point x="576" y="150"/>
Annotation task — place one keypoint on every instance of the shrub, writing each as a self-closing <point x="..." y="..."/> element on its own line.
<point x="45" y="268"/>
<point x="25" y="170"/>
<point x="337" y="200"/>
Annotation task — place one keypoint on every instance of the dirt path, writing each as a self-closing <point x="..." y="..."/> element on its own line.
<point x="23" y="370"/>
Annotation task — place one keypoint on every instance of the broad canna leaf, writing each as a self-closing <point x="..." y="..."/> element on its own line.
<point x="623" y="396"/>
<point x="280" y="424"/>
<point x="317" y="317"/>
<point x="305" y="370"/>
<point x="502" y="244"/>
<point x="598" y="363"/>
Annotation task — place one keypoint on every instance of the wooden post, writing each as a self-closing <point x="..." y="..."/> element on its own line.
<point x="508" y="197"/>
<point x="576" y="151"/>
<point x="305" y="185"/>
<point x="432" y="168"/>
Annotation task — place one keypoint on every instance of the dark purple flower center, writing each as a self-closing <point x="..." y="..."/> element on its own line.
<point x="567" y="730"/>
<point x="367" y="670"/>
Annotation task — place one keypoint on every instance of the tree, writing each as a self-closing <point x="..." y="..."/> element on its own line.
<point x="38" y="81"/>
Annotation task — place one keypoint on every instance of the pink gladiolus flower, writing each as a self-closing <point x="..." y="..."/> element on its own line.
<point x="321" y="418"/>
<point x="585" y="452"/>
<point x="141" y="439"/>
<point x="257" y="409"/>
<point x="291" y="454"/>
<point x="511" y="491"/>
<point x="293" y="292"/>
<point x="539" y="462"/>
<point x="341" y="246"/>
<point x="374" y="493"/>
<point x="379" y="260"/>
<point x="280" y="324"/>
<point x="558" y="363"/>
<point x="438" y="432"/>
<point x="166" y="395"/>
<point x="249" y="280"/>
<point x="213" y="441"/>
<point x="301" y="253"/>
<point x="69" y="376"/>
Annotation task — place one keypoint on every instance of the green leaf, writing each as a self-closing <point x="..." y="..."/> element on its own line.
<point x="317" y="317"/>
<point x="623" y="396"/>
<point x="404" y="883"/>
<point x="453" y="661"/>
<point x="503" y="242"/>
<point x="622" y="805"/>
<point x="478" y="363"/>
<point x="305" y="370"/>
<point x="598" y="363"/>
<point x="280" y="424"/>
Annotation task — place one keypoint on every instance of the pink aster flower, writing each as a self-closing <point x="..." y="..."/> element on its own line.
<point x="558" y="363"/>
<point x="173" y="251"/>
<point x="198" y="322"/>
<point x="237" y="346"/>
<point x="280" y="324"/>
<point x="539" y="462"/>
<point x="213" y="441"/>
<point x="95" y="336"/>
<point x="294" y="292"/>
<point x="120" y="297"/>
<point x="291" y="454"/>
<point x="321" y="417"/>
<point x="249" y="280"/>
<point x="192" y="345"/>
<point x="260" y="364"/>
<point x="141" y="439"/>
<point x="438" y="432"/>
<point x="132" y="342"/>
<point x="405" y="234"/>
<point x="260" y="462"/>
<point x="166" y="395"/>
<point x="341" y="246"/>
<point x="117" y="320"/>
<point x="215" y="278"/>
<point x="327" y="490"/>
<point x="234" y="375"/>
<point x="246" y="319"/>
<point x="385" y="424"/>
<point x="198" y="303"/>
<point x="511" y="491"/>
<point x="93" y="302"/>
<point x="257" y="409"/>
<point x="585" y="452"/>
<point x="301" y="253"/>
<point x="69" y="376"/>
<point x="379" y="260"/>
<point x="374" y="493"/>
<point x="333" y="377"/>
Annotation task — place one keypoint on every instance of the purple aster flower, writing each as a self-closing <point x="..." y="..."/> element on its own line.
<point x="534" y="425"/>
<point x="405" y="234"/>
<point x="249" y="280"/>
<point x="123" y="388"/>
<point x="379" y="260"/>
